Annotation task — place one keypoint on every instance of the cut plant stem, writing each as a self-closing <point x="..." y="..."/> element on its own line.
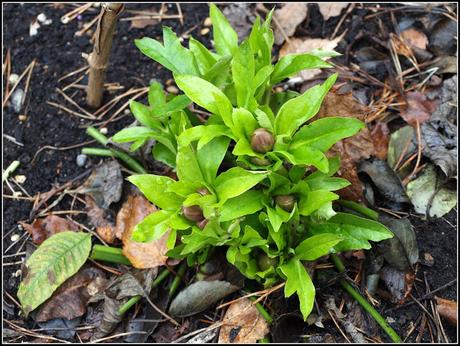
<point x="10" y="169"/>
<point x="159" y="279"/>
<point x="93" y="132"/>
<point x="176" y="282"/>
<point x="109" y="254"/>
<point x="363" y="302"/>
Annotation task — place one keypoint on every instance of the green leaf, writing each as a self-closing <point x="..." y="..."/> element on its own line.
<point x="314" y="201"/>
<point x="203" y="133"/>
<point x="290" y="64"/>
<point x="322" y="134"/>
<point x="187" y="165"/>
<point x="357" y="231"/>
<point x="264" y="119"/>
<point x="171" y="54"/>
<point x="244" y="123"/>
<point x="158" y="223"/>
<point x="210" y="157"/>
<point x="156" y="95"/>
<point x="277" y="217"/>
<point x="55" y="260"/>
<point x="299" y="281"/>
<point x="142" y="114"/>
<point x="243" y="74"/>
<point x="317" y="246"/>
<point x="247" y="203"/>
<point x="225" y="38"/>
<point x="135" y="133"/>
<point x="176" y="104"/>
<point x="154" y="188"/>
<point x="219" y="73"/>
<point x="206" y="95"/>
<point x="236" y="181"/>
<point x="326" y="183"/>
<point x="306" y="156"/>
<point x="204" y="58"/>
<point x="163" y="154"/>
<point x="297" y="111"/>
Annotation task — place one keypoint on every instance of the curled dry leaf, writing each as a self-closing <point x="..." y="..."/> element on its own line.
<point x="417" y="108"/>
<point x="399" y="283"/>
<point x="415" y="38"/>
<point x="70" y="300"/>
<point x="287" y="18"/>
<point x="447" y="309"/>
<point x="331" y="9"/>
<point x="243" y="324"/>
<point x="42" y="229"/>
<point x="99" y="217"/>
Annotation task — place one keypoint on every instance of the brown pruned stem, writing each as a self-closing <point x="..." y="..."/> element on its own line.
<point x="99" y="58"/>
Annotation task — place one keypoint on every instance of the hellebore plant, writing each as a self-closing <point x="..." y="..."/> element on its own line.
<point x="253" y="179"/>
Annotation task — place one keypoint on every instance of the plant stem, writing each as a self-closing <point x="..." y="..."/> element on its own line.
<point x="363" y="302"/>
<point x="372" y="214"/>
<point x="109" y="254"/>
<point x="93" y="132"/>
<point x="133" y="300"/>
<point x="176" y="282"/>
<point x="264" y="340"/>
<point x="265" y="314"/>
<point x="10" y="169"/>
<point x="97" y="151"/>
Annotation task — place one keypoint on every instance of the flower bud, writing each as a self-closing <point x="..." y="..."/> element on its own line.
<point x="260" y="162"/>
<point x="202" y="224"/>
<point x="203" y="191"/>
<point x="193" y="213"/>
<point x="262" y="141"/>
<point x="264" y="262"/>
<point x="286" y="202"/>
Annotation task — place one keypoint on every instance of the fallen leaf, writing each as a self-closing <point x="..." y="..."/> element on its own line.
<point x="287" y="18"/>
<point x="427" y="197"/>
<point x="415" y="38"/>
<point x="402" y="140"/>
<point x="104" y="184"/>
<point x="70" y="300"/>
<point x="443" y="37"/>
<point x="243" y="324"/>
<point x="447" y="309"/>
<point x="380" y="135"/>
<point x="99" y="217"/>
<point x="417" y="108"/>
<point x="142" y="23"/>
<point x="331" y="9"/>
<point x="398" y="282"/>
<point x="42" y="229"/>
<point x="60" y="328"/>
<point x="204" y="337"/>
<point x="305" y="45"/>
<point x="199" y="296"/>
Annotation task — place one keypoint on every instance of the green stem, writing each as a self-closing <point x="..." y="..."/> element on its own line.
<point x="10" y="169"/>
<point x="363" y="302"/>
<point x="97" y="152"/>
<point x="372" y="214"/>
<point x="133" y="300"/>
<point x="264" y="340"/>
<point x="109" y="254"/>
<point x="91" y="131"/>
<point x="176" y="282"/>
<point x="265" y="314"/>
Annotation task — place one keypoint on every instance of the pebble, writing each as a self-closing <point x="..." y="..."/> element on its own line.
<point x="104" y="130"/>
<point x="15" y="237"/>
<point x="20" y="179"/>
<point x="22" y="117"/>
<point x="17" y="100"/>
<point x="207" y="22"/>
<point x="81" y="160"/>
<point x="428" y="259"/>
<point x="172" y="89"/>
<point x="204" y="31"/>
<point x="126" y="111"/>
<point x="13" y="79"/>
<point x="42" y="19"/>
<point x="33" y="28"/>
<point x="97" y="4"/>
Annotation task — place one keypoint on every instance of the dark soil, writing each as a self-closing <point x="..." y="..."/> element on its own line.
<point x="57" y="52"/>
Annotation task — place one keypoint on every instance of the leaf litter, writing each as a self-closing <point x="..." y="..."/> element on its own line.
<point x="42" y="229"/>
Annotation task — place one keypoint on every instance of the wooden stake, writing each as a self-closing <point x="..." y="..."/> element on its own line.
<point x="99" y="58"/>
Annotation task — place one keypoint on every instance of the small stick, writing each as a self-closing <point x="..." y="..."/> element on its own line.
<point x="74" y="103"/>
<point x="99" y="58"/>
<point x="7" y="67"/>
<point x="71" y="112"/>
<point x="419" y="155"/>
<point x="69" y="16"/>
<point x="17" y="83"/>
<point x="86" y="27"/>
<point x="179" y="11"/>
<point x="10" y="169"/>
<point x="70" y="74"/>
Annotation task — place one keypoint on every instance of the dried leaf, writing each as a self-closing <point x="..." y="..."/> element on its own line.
<point x="243" y="324"/>
<point x="141" y="23"/>
<point x="417" y="108"/>
<point x="332" y="9"/>
<point x="287" y="18"/>
<point x="399" y="283"/>
<point x="42" y="229"/>
<point x="105" y="184"/>
<point x="402" y="140"/>
<point x="70" y="300"/>
<point x="380" y="135"/>
<point x="305" y="45"/>
<point x="199" y="296"/>
<point x="447" y="309"/>
<point x="415" y="38"/>
<point x="99" y="217"/>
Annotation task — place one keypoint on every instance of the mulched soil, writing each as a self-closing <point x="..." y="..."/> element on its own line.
<point x="57" y="52"/>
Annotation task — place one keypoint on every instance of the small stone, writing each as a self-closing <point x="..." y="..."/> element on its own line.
<point x="181" y="39"/>
<point x="42" y="19"/>
<point x="390" y="319"/>
<point x="13" y="79"/>
<point x="207" y="22"/>
<point x="17" y="273"/>
<point x="33" y="28"/>
<point x="97" y="4"/>
<point x="204" y="31"/>
<point x="172" y="89"/>
<point x="126" y="111"/>
<point x="81" y="160"/>
<point x="17" y="100"/>
<point x="15" y="237"/>
<point x="170" y="82"/>
<point x="104" y="130"/>
<point x="22" y="117"/>
<point x="428" y="259"/>
<point x="20" y="179"/>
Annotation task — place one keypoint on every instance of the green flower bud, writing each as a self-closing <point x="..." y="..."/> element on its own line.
<point x="264" y="262"/>
<point x="262" y="141"/>
<point x="260" y="162"/>
<point x="193" y="213"/>
<point x="286" y="202"/>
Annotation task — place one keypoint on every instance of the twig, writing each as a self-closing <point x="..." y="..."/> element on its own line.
<point x="75" y="104"/>
<point x="86" y="27"/>
<point x="419" y="154"/>
<point x="179" y="11"/>
<point x="10" y="169"/>
<point x="70" y="74"/>
<point x="71" y="112"/>
<point x="5" y="100"/>
<point x="7" y="69"/>
<point x="339" y="24"/>
<point x="50" y="147"/>
<point x="69" y="16"/>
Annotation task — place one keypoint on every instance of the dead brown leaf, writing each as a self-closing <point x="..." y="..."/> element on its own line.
<point x="70" y="300"/>
<point x="243" y="324"/>
<point x="333" y="9"/>
<point x="380" y="135"/>
<point x="415" y="38"/>
<point x="287" y="18"/>
<point x="417" y="108"/>
<point x="42" y="229"/>
<point x="447" y="309"/>
<point x="99" y="218"/>
<point x="305" y="45"/>
<point x="141" y="23"/>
